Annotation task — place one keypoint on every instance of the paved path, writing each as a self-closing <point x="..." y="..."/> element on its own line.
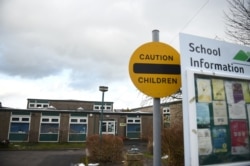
<point x="60" y="157"/>
<point x="40" y="158"/>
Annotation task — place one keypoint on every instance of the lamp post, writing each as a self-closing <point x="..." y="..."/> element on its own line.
<point x="102" y="89"/>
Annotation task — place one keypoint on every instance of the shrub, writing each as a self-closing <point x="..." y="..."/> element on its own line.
<point x="172" y="144"/>
<point x="109" y="148"/>
<point x="150" y="145"/>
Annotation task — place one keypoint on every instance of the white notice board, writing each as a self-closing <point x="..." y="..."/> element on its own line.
<point x="216" y="101"/>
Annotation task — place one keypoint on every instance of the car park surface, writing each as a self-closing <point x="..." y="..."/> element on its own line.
<point x="67" y="157"/>
<point x="40" y="158"/>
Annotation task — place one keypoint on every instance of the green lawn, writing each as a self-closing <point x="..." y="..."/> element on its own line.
<point x="45" y="146"/>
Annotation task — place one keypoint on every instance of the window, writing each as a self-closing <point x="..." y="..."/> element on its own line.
<point x="83" y="120"/>
<point x="49" y="129"/>
<point x="105" y="107"/>
<point x="45" y="106"/>
<point x="133" y="120"/>
<point x="15" y="119"/>
<point x="19" y="124"/>
<point x="133" y="127"/>
<point x="49" y="125"/>
<point x="54" y="120"/>
<point x="137" y="120"/>
<point x="73" y="120"/>
<point x="25" y="119"/>
<point x="78" y="125"/>
<point x="35" y="104"/>
<point x="45" y="120"/>
<point x="19" y="127"/>
<point x="108" y="127"/>
<point x="77" y="129"/>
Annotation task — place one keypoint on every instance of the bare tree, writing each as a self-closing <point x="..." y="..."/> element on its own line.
<point x="238" y="21"/>
<point x="146" y="101"/>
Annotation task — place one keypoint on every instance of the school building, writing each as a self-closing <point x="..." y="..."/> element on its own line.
<point x="46" y="120"/>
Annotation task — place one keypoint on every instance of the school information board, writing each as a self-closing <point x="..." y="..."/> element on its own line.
<point x="216" y="101"/>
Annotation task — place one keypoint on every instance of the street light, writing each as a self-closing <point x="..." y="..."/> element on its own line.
<point x="102" y="89"/>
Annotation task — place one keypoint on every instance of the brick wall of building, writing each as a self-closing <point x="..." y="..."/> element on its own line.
<point x="4" y="124"/>
<point x="121" y="130"/>
<point x="34" y="126"/>
<point x="64" y="127"/>
<point x="176" y="112"/>
<point x="147" y="127"/>
<point x="71" y="105"/>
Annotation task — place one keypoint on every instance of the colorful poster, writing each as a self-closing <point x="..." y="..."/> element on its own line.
<point x="237" y="92"/>
<point x="219" y="136"/>
<point x="237" y="111"/>
<point x="239" y="137"/>
<point x="248" y="113"/>
<point x="204" y="142"/>
<point x="220" y="113"/>
<point x="229" y="91"/>
<point x="202" y="113"/>
<point x="246" y="91"/>
<point x="204" y="90"/>
<point x="218" y="89"/>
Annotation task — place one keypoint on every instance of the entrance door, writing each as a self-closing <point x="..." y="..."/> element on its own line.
<point x="108" y="127"/>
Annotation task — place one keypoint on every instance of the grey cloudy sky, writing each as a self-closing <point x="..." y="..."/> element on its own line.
<point x="66" y="49"/>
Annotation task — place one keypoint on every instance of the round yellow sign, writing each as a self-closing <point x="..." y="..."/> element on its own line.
<point x="154" y="68"/>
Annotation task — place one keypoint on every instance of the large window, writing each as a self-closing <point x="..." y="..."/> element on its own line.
<point x="49" y="130"/>
<point x="77" y="129"/>
<point x="19" y="127"/>
<point x="133" y="127"/>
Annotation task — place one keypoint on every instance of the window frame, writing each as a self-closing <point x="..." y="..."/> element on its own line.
<point x="97" y="107"/>
<point x="22" y="122"/>
<point x="19" y="119"/>
<point x="133" y="124"/>
<point x="38" y="105"/>
<point x="49" y="121"/>
<point x="77" y="120"/>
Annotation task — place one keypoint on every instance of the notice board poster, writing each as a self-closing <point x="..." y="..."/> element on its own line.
<point x="223" y="119"/>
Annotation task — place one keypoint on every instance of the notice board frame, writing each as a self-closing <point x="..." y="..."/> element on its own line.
<point x="212" y="158"/>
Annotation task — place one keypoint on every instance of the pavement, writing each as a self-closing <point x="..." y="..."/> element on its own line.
<point x="40" y="158"/>
<point x="61" y="157"/>
<point x="141" y="145"/>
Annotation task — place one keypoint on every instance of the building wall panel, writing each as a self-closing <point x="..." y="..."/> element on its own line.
<point x="4" y="124"/>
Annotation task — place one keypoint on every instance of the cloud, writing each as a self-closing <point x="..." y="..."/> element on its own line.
<point x="82" y="44"/>
<point x="41" y="39"/>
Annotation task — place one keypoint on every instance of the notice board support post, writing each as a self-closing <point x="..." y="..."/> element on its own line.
<point x="156" y="120"/>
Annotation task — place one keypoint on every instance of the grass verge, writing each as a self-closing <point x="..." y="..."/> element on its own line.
<point x="43" y="146"/>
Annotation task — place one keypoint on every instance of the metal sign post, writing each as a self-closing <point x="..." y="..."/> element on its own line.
<point x="154" y="69"/>
<point x="156" y="119"/>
